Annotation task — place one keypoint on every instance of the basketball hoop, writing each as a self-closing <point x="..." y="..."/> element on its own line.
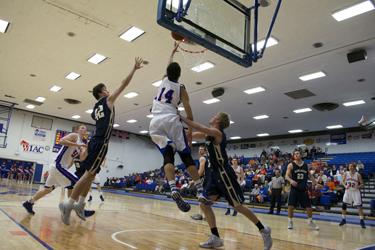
<point x="192" y="53"/>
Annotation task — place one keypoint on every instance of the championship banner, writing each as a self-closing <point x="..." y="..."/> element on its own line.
<point x="338" y="138"/>
<point x="59" y="134"/>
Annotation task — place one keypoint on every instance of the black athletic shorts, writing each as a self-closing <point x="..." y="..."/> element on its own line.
<point x="97" y="150"/>
<point x="299" y="197"/>
<point x="223" y="183"/>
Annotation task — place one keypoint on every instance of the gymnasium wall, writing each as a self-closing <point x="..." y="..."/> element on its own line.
<point x="138" y="154"/>
<point x="135" y="154"/>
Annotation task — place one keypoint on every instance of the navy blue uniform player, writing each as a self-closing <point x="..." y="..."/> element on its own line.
<point x="104" y="115"/>
<point x="221" y="180"/>
<point x="298" y="174"/>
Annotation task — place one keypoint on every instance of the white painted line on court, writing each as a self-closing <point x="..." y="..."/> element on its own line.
<point x="114" y="235"/>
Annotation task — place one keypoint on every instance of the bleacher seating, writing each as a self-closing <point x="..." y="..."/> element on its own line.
<point x="146" y="187"/>
<point x="367" y="158"/>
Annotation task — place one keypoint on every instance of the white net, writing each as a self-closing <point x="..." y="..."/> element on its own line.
<point x="193" y="54"/>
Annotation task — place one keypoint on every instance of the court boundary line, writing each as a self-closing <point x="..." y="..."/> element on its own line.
<point x="227" y="229"/>
<point x="301" y="215"/>
<point x="40" y="241"/>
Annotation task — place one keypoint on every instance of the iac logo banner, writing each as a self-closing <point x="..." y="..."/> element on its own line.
<point x="27" y="147"/>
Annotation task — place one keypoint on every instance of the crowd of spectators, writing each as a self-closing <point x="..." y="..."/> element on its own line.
<point x="258" y="172"/>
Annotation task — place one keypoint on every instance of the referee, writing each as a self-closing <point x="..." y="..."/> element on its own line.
<point x="276" y="187"/>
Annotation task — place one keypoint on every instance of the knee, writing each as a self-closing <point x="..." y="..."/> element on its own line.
<point x="187" y="160"/>
<point x="168" y="155"/>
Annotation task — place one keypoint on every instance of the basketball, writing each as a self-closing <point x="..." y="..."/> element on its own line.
<point x="177" y="36"/>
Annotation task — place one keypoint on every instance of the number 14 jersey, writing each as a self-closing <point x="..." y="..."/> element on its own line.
<point x="167" y="98"/>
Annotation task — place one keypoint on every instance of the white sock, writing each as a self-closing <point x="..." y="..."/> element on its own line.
<point x="309" y="220"/>
<point x="71" y="202"/>
<point x="100" y="192"/>
<point x="343" y="216"/>
<point x="81" y="200"/>
<point x="290" y="219"/>
<point x="361" y="217"/>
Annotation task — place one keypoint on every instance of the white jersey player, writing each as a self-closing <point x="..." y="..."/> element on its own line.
<point x="59" y="174"/>
<point x="168" y="133"/>
<point x="353" y="182"/>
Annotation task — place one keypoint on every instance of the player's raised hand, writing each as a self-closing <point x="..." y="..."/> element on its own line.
<point x="138" y="63"/>
<point x="175" y="48"/>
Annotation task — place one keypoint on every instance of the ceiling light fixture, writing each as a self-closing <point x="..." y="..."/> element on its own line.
<point x="263" y="135"/>
<point x="96" y="58"/>
<point x="131" y="95"/>
<point x="353" y="103"/>
<point x="254" y="90"/>
<point x="295" y="131"/>
<point x="40" y="99"/>
<point x="202" y="67"/>
<point x="55" y="88"/>
<point x="72" y="76"/>
<point x="131" y="34"/>
<point x="211" y="101"/>
<point x="353" y="11"/>
<point x="334" y="126"/>
<point x="260" y="117"/>
<point x="312" y="76"/>
<point x="3" y="26"/>
<point x="303" y="110"/>
<point x="157" y="83"/>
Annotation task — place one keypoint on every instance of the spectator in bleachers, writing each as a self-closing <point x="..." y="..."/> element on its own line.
<point x="254" y="193"/>
<point x="12" y="172"/>
<point x="331" y="184"/>
<point x="322" y="178"/>
<point x="360" y="166"/>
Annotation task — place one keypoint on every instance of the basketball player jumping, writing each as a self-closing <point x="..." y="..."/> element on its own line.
<point x="353" y="182"/>
<point x="59" y="175"/>
<point x="221" y="180"/>
<point x="104" y="115"/>
<point x="297" y="174"/>
<point x="167" y="131"/>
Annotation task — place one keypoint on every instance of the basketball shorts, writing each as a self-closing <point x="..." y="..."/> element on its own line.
<point x="167" y="129"/>
<point x="60" y="176"/>
<point x="97" y="150"/>
<point x="352" y="197"/>
<point x="223" y="183"/>
<point x="299" y="197"/>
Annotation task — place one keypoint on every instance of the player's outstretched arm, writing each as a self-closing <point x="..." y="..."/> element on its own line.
<point x="83" y="154"/>
<point x="199" y="135"/>
<point x="137" y="65"/>
<point x="201" y="128"/>
<point x="186" y="102"/>
<point x="70" y="140"/>
<point x="175" y="47"/>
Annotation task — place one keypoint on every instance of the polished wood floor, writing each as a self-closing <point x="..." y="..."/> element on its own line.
<point x="124" y="222"/>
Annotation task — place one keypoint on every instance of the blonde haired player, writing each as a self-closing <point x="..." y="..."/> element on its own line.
<point x="353" y="182"/>
<point x="221" y="180"/>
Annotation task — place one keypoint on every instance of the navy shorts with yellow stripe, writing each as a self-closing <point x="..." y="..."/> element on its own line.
<point x="97" y="150"/>
<point x="223" y="184"/>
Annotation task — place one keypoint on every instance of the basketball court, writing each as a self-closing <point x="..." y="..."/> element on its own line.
<point x="54" y="51"/>
<point x="128" y="222"/>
